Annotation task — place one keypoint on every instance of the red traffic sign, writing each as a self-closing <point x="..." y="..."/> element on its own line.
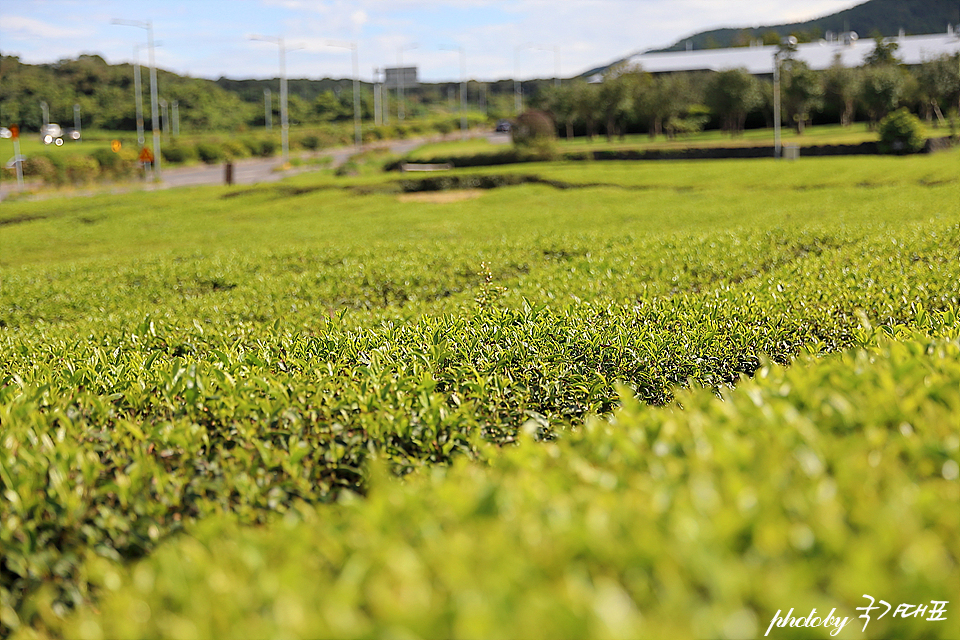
<point x="146" y="155"/>
<point x="14" y="131"/>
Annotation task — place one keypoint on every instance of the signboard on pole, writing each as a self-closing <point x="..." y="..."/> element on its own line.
<point x="392" y="77"/>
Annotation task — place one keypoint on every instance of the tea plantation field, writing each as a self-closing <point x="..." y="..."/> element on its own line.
<point x="557" y="401"/>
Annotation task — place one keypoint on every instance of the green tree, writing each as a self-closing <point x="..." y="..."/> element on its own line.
<point x="665" y="103"/>
<point x="587" y="106"/>
<point x="732" y="95"/>
<point x="802" y="92"/>
<point x="560" y="102"/>
<point x="616" y="96"/>
<point x="881" y="91"/>
<point x="884" y="53"/>
<point x="842" y="88"/>
<point x="938" y="83"/>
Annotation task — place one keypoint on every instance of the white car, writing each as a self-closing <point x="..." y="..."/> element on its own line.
<point x="51" y="134"/>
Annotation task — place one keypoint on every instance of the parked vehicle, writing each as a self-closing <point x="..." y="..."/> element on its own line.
<point x="51" y="134"/>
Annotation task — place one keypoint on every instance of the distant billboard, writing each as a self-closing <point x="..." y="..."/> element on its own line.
<point x="393" y="75"/>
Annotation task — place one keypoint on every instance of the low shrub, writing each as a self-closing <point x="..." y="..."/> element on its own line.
<point x="40" y="167"/>
<point x="210" y="153"/>
<point x="901" y="132"/>
<point x="178" y="154"/>
<point x="310" y="142"/>
<point x="81" y="169"/>
<point x="534" y="132"/>
<point x="234" y="149"/>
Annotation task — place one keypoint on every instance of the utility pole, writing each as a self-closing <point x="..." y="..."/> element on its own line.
<point x="284" y="124"/>
<point x="154" y="115"/>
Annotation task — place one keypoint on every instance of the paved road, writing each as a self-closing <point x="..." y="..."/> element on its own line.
<point x="249" y="171"/>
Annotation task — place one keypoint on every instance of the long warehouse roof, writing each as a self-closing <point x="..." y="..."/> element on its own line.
<point x="758" y="60"/>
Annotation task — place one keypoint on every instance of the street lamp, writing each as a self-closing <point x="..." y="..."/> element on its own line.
<point x="517" y="84"/>
<point x="166" y="120"/>
<point x="356" y="87"/>
<point x="556" y="63"/>
<point x="377" y="88"/>
<point x="785" y="44"/>
<point x="267" y="110"/>
<point x="400" y="112"/>
<point x="154" y="116"/>
<point x="138" y="93"/>
<point x="463" y="88"/>
<point x="284" y="125"/>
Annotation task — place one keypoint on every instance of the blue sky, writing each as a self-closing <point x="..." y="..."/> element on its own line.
<point x="211" y="38"/>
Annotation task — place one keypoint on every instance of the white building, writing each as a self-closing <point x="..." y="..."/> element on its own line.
<point x="758" y="59"/>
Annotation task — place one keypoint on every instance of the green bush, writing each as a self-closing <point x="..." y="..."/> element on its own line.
<point x="40" y="167"/>
<point x="234" y="149"/>
<point x="81" y="169"/>
<point x="901" y="132"/>
<point x="310" y="142"/>
<point x="178" y="153"/>
<point x="658" y="523"/>
<point x="533" y="132"/>
<point x="268" y="148"/>
<point x="210" y="153"/>
<point x="116" y="165"/>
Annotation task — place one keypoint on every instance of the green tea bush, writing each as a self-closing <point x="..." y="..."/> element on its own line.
<point x="213" y="369"/>
<point x="696" y="522"/>
<point x="901" y="132"/>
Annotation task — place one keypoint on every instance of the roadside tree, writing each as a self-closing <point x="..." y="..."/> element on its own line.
<point x="842" y="88"/>
<point x="732" y="95"/>
<point x="882" y="91"/>
<point x="802" y="92"/>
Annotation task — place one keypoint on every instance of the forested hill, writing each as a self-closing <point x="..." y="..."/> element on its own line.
<point x="884" y="16"/>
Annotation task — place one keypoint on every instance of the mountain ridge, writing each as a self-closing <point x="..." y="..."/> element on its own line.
<point x="886" y="17"/>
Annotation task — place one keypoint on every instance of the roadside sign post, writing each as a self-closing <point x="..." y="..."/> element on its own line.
<point x="146" y="158"/>
<point x="17" y="160"/>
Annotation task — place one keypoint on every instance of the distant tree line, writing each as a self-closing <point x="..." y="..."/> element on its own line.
<point x="632" y="100"/>
<point x="105" y="94"/>
<point x="628" y="100"/>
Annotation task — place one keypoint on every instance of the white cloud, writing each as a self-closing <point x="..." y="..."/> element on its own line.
<point x="31" y="28"/>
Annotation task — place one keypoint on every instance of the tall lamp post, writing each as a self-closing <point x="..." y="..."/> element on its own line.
<point x="356" y="87"/>
<point x="400" y="49"/>
<point x="138" y="93"/>
<point x="556" y="63"/>
<point x="517" y="84"/>
<point x="785" y="44"/>
<point x="284" y="124"/>
<point x="463" y="89"/>
<point x="154" y="115"/>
